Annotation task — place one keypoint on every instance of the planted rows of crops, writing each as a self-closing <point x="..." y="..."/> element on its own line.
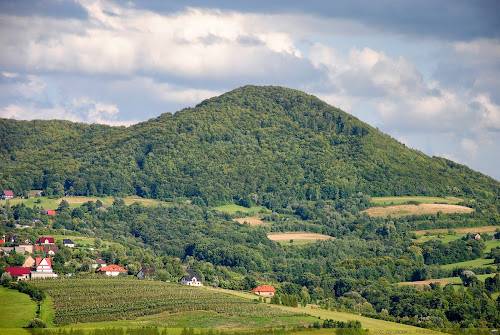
<point x="86" y="300"/>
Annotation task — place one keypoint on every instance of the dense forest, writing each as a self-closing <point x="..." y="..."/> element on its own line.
<point x="268" y="145"/>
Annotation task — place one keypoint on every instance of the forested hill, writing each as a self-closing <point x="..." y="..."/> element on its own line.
<point x="267" y="144"/>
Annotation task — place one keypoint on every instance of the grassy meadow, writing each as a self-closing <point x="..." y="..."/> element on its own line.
<point x="403" y="200"/>
<point x="233" y="209"/>
<point x="16" y="309"/>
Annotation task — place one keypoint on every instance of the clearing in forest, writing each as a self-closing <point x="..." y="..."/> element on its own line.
<point x="421" y="209"/>
<point x="297" y="236"/>
<point x="402" y="200"/>
<point x="250" y="220"/>
<point x="462" y="230"/>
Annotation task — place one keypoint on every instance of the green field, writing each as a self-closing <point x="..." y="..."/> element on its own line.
<point x="76" y="201"/>
<point x="156" y="302"/>
<point x="445" y="238"/>
<point x="475" y="263"/>
<point x="237" y="209"/>
<point x="16" y="309"/>
<point x="401" y="200"/>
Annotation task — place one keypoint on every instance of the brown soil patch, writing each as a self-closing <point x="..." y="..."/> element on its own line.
<point x="465" y="230"/>
<point x="442" y="281"/>
<point x="421" y="209"/>
<point x="250" y="220"/>
<point x="297" y="236"/>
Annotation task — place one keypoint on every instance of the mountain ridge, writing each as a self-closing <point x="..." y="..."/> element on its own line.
<point x="266" y="143"/>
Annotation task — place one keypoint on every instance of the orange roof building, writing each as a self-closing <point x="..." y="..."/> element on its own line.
<point x="264" y="290"/>
<point x="112" y="270"/>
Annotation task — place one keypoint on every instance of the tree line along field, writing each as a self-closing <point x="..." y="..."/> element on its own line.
<point x="76" y="201"/>
<point x="105" y="299"/>
<point x="403" y="200"/>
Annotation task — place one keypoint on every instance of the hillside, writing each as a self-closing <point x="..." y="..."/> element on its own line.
<point x="269" y="145"/>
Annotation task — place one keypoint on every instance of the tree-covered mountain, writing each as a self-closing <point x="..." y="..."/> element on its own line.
<point x="269" y="145"/>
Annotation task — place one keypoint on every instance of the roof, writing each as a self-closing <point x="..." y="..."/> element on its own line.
<point x="9" y="193"/>
<point x="38" y="260"/>
<point x="50" y="212"/>
<point x="42" y="239"/>
<point x="46" y="248"/>
<point x="68" y="241"/>
<point x="17" y="271"/>
<point x="112" y="268"/>
<point x="264" y="288"/>
<point x="100" y="261"/>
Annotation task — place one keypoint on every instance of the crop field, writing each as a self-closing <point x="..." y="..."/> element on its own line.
<point x="92" y="300"/>
<point x="421" y="209"/>
<point x="297" y="237"/>
<point x="444" y="281"/>
<point x="76" y="201"/>
<point x="233" y="209"/>
<point x="250" y="220"/>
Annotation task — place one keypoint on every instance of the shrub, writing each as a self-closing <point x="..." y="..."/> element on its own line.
<point x="36" y="323"/>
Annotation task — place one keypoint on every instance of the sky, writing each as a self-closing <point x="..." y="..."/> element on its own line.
<point x="425" y="72"/>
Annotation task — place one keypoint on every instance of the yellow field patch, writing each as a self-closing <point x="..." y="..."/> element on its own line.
<point x="464" y="230"/>
<point x="421" y="209"/>
<point x="297" y="236"/>
<point x="250" y="220"/>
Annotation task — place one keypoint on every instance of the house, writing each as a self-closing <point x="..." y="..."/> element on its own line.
<point x="47" y="249"/>
<point x="35" y="193"/>
<point x="192" y="279"/>
<point x="68" y="243"/>
<point x="264" y="291"/>
<point x="49" y="212"/>
<point x="146" y="272"/>
<point x="29" y="262"/>
<point x="45" y="240"/>
<point x="19" y="272"/>
<point x="98" y="263"/>
<point x="7" y="194"/>
<point x="477" y="237"/>
<point x="43" y="268"/>
<point x="112" y="270"/>
<point x="6" y="250"/>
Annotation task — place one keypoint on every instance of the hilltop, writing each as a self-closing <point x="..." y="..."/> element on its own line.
<point x="264" y="144"/>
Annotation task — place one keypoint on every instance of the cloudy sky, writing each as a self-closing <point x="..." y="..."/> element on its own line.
<point x="427" y="72"/>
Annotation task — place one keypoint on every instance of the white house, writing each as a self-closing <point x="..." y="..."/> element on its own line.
<point x="192" y="279"/>
<point x="43" y="269"/>
<point x="68" y="243"/>
<point x="112" y="270"/>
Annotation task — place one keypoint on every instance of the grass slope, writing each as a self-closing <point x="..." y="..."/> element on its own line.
<point x="16" y="309"/>
<point x="475" y="263"/>
<point x="421" y="209"/>
<point x="402" y="200"/>
<point x="233" y="209"/>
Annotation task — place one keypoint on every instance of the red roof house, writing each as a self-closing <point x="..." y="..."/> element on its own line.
<point x="45" y="240"/>
<point x="264" y="290"/>
<point x="50" y="212"/>
<point x="112" y="270"/>
<point x="8" y="194"/>
<point x="39" y="260"/>
<point x="19" y="272"/>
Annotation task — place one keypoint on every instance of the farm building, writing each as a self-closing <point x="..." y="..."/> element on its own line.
<point x="19" y="272"/>
<point x="7" y="194"/>
<point x="192" y="279"/>
<point x="68" y="243"/>
<point x="112" y="270"/>
<point x="43" y="269"/>
<point x="264" y="290"/>
<point x="24" y="249"/>
<point x="45" y="240"/>
<point x="49" y="212"/>
<point x="98" y="263"/>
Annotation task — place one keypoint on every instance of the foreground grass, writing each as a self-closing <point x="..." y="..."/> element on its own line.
<point x="16" y="309"/>
<point x="77" y="201"/>
<point x="233" y="209"/>
<point x="402" y="200"/>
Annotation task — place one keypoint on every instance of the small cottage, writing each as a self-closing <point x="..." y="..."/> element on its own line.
<point x="191" y="279"/>
<point x="19" y="272"/>
<point x="68" y="243"/>
<point x="264" y="291"/>
<point x="7" y="194"/>
<point x="47" y="249"/>
<point x="49" y="212"/>
<point x="146" y="272"/>
<point x="45" y="240"/>
<point x="112" y="270"/>
<point x="98" y="263"/>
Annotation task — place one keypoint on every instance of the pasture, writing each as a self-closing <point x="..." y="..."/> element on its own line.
<point x="16" y="309"/>
<point x="475" y="263"/>
<point x="250" y="220"/>
<point x="403" y="200"/>
<point x="461" y="230"/>
<point x="77" y="201"/>
<point x="444" y="281"/>
<point x="421" y="209"/>
<point x="297" y="238"/>
<point x="233" y="209"/>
